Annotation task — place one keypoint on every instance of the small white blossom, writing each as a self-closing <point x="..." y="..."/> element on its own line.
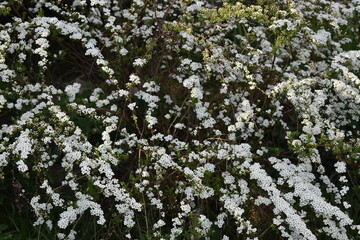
<point x="139" y="62"/>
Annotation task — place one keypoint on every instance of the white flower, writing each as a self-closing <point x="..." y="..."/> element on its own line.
<point x="132" y="106"/>
<point x="123" y="51"/>
<point x="98" y="2"/>
<point x="192" y="81"/>
<point x="2" y="101"/>
<point x="346" y="205"/>
<point x="67" y="217"/>
<point x="321" y="37"/>
<point x="23" y="145"/>
<point x="160" y="223"/>
<point x="134" y="79"/>
<point x="151" y="120"/>
<point x="185" y="207"/>
<point x="140" y="3"/>
<point x="139" y="62"/>
<point x="22" y="167"/>
<point x="72" y="90"/>
<point x="71" y="235"/>
<point x="340" y="167"/>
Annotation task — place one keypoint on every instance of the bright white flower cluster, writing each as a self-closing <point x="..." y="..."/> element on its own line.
<point x="72" y="90"/>
<point x="195" y="119"/>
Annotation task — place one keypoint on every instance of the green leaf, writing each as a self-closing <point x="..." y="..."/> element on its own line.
<point x="3" y="227"/>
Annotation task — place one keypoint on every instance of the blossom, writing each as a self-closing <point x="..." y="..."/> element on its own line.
<point x="192" y="103"/>
<point x="2" y="101"/>
<point x="72" y="90"/>
<point x="139" y="62"/>
<point x="134" y="79"/>
<point x="23" y="146"/>
<point x="340" y="167"/>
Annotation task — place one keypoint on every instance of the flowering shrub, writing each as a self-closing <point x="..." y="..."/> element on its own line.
<point x="180" y="119"/>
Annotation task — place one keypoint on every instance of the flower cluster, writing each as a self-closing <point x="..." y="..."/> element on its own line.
<point x="183" y="119"/>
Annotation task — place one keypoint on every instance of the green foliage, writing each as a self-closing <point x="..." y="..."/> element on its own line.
<point x="235" y="12"/>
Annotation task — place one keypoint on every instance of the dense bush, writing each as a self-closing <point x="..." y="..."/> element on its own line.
<point x="179" y="119"/>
